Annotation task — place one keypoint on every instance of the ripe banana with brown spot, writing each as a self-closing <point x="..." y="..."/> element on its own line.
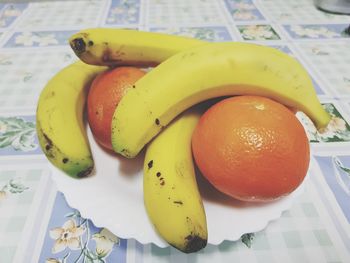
<point x="59" y="119"/>
<point x="171" y="195"/>
<point x="113" y="47"/>
<point x="59" y="115"/>
<point x="204" y="72"/>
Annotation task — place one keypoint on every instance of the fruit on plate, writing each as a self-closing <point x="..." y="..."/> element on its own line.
<point x="204" y="72"/>
<point x="104" y="95"/>
<point x="113" y="47"/>
<point x="59" y="119"/>
<point x="251" y="148"/>
<point x="193" y="71"/>
<point x="60" y="124"/>
<point x="171" y="196"/>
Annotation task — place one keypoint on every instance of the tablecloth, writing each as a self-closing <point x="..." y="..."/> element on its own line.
<point x="33" y="47"/>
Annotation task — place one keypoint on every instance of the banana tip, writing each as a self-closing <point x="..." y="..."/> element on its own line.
<point x="194" y="243"/>
<point x="78" y="45"/>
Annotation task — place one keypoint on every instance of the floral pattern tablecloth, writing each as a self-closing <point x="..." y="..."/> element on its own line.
<point x="37" y="224"/>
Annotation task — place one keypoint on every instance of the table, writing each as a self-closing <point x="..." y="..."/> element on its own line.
<point x="33" y="47"/>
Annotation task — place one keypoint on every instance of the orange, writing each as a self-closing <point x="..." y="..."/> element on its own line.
<point x="105" y="92"/>
<point x="251" y="148"/>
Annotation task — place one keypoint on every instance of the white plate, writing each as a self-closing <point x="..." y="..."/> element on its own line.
<point x="113" y="198"/>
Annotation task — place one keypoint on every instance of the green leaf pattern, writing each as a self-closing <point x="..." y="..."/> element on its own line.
<point x="247" y="239"/>
<point x="77" y="230"/>
<point x="13" y="186"/>
<point x="313" y="31"/>
<point x="338" y="130"/>
<point x="258" y="32"/>
<point x="17" y="133"/>
<point x="207" y="34"/>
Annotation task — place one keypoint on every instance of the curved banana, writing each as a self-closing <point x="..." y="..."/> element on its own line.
<point x="59" y="119"/>
<point x="172" y="200"/>
<point x="207" y="71"/>
<point x="113" y="47"/>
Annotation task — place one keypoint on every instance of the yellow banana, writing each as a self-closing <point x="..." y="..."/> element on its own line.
<point x="172" y="200"/>
<point x="59" y="114"/>
<point x="59" y="119"/>
<point x="207" y="71"/>
<point x="113" y="47"/>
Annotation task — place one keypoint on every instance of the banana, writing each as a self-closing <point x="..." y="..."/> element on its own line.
<point x="59" y="119"/>
<point x="113" y="47"/>
<point x="172" y="200"/>
<point x="207" y="71"/>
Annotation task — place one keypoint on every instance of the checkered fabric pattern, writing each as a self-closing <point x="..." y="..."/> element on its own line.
<point x="58" y="14"/>
<point x="15" y="206"/>
<point x="299" y="235"/>
<point x="331" y="61"/>
<point x="183" y="12"/>
<point x="33" y="47"/>
<point x="24" y="74"/>
<point x="298" y="11"/>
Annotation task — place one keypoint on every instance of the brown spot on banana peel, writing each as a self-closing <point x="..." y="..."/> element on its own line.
<point x="115" y="59"/>
<point x="78" y="45"/>
<point x="150" y="164"/>
<point x="162" y="182"/>
<point x="179" y="202"/>
<point x="194" y="243"/>
<point x="126" y="153"/>
<point x="50" y="153"/>
<point x="48" y="145"/>
<point x="85" y="173"/>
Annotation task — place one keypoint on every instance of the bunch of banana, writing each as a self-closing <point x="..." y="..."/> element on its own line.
<point x="60" y="124"/>
<point x="204" y="72"/>
<point x="171" y="195"/>
<point x="190" y="71"/>
<point x="59" y="119"/>
<point x="62" y="135"/>
<point x="114" y="47"/>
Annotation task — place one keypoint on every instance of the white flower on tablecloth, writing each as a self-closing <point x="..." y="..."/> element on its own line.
<point x="117" y="11"/>
<point x="110" y="19"/>
<point x="309" y="127"/>
<point x="178" y="31"/>
<point x="3" y="195"/>
<point x="245" y="6"/>
<point x="3" y="127"/>
<point x="244" y="15"/>
<point x="12" y="12"/>
<point x="105" y="241"/>
<point x="258" y="32"/>
<point x="47" y="40"/>
<point x="171" y="30"/>
<point x="313" y="32"/>
<point x="66" y="236"/>
<point x="335" y="125"/>
<point x="26" y="39"/>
